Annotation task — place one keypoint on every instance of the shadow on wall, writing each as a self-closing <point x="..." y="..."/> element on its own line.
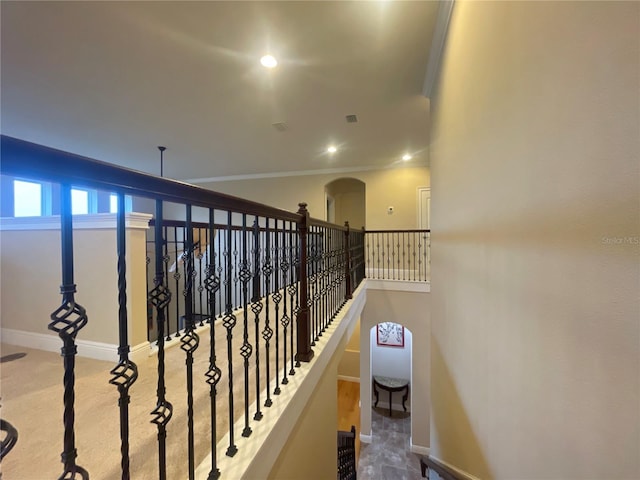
<point x="451" y="432"/>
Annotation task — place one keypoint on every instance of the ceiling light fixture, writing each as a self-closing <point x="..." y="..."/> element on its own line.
<point x="406" y="157"/>
<point x="268" y="61"/>
<point x="332" y="149"/>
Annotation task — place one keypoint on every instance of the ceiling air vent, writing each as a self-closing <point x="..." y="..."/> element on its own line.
<point x="351" y="119"/>
<point x="281" y="126"/>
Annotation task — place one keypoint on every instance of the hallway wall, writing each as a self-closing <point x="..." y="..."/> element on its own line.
<point x="397" y="187"/>
<point x="536" y="243"/>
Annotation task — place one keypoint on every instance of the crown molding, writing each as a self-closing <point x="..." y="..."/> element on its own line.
<point x="437" y="46"/>
<point x="299" y="173"/>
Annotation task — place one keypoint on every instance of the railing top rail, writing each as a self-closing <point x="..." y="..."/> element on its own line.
<point x="426" y="230"/>
<point x="30" y="160"/>
<point x="321" y="223"/>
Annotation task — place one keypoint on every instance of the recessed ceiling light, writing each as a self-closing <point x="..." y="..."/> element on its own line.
<point x="332" y="149"/>
<point x="406" y="157"/>
<point x="268" y="61"/>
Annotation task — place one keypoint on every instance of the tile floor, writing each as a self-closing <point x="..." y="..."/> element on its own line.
<point x="388" y="457"/>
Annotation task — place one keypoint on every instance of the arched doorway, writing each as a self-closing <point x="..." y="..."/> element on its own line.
<point x="346" y="201"/>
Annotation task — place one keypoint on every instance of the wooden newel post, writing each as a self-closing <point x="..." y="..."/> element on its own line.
<point x="305" y="352"/>
<point x="347" y="264"/>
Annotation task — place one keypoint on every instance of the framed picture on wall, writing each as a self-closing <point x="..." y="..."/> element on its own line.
<point x="389" y="334"/>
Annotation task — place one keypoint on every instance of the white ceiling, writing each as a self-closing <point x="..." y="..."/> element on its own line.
<point x="112" y="80"/>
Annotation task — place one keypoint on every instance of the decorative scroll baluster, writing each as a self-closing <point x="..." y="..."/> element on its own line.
<point x="246" y="349"/>
<point x="190" y="340"/>
<point x="256" y="308"/>
<point x="219" y="269"/>
<point x="176" y="277"/>
<point x="9" y="441"/>
<point x="236" y="278"/>
<point x="125" y="372"/>
<point x="160" y="297"/>
<point x="199" y="256"/>
<point x="212" y="284"/>
<point x="293" y="291"/>
<point x="67" y="320"/>
<point x="304" y="351"/>
<point x="267" y="332"/>
<point x="229" y="321"/>
<point x="165" y="259"/>
<point x="277" y="296"/>
<point x="284" y="321"/>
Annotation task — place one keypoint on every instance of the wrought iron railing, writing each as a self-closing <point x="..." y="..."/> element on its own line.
<point x="398" y="255"/>
<point x="270" y="279"/>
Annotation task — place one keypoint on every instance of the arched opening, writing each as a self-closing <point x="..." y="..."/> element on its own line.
<point x="346" y="202"/>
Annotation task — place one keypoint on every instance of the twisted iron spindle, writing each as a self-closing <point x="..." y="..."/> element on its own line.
<point x="246" y="349"/>
<point x="213" y="374"/>
<point x="229" y="321"/>
<point x="284" y="321"/>
<point x="256" y="308"/>
<point x="190" y="340"/>
<point x="160" y="297"/>
<point x="125" y="372"/>
<point x="176" y="277"/>
<point x="277" y="297"/>
<point x="267" y="331"/>
<point x="293" y="290"/>
<point x="67" y="320"/>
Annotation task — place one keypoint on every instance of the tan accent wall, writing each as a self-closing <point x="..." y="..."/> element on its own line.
<point x="412" y="310"/>
<point x="392" y="187"/>
<point x="536" y="243"/>
<point x="311" y="451"/>
<point x="349" y="365"/>
<point x="31" y="276"/>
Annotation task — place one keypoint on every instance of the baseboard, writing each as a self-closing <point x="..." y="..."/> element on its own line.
<point x="366" y="438"/>
<point x="86" y="348"/>
<point x="346" y="378"/>
<point x="419" y="449"/>
<point x="139" y="352"/>
<point x="460" y="472"/>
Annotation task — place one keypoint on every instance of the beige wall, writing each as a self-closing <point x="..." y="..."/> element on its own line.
<point x="391" y="187"/>
<point x="411" y="309"/>
<point x="311" y="451"/>
<point x="349" y="196"/>
<point x="536" y="243"/>
<point x="349" y="365"/>
<point x="31" y="275"/>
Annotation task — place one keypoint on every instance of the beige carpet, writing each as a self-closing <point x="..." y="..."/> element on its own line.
<point x="32" y="390"/>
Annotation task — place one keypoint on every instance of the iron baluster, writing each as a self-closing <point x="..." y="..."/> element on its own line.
<point x="246" y="349"/>
<point x="190" y="340"/>
<point x="125" y="372"/>
<point x="199" y="256"/>
<point x="284" y="321"/>
<point x="67" y="320"/>
<point x="292" y="290"/>
<point x="267" y="331"/>
<point x="213" y="374"/>
<point x="276" y="300"/>
<point x="229" y="321"/>
<point x="176" y="277"/>
<point x="160" y="297"/>
<point x="256" y="308"/>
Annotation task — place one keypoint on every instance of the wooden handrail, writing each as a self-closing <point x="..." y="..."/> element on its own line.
<point x="30" y="160"/>
<point x="426" y="230"/>
<point x="429" y="463"/>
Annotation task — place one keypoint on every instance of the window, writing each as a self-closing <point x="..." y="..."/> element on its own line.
<point x="79" y="201"/>
<point x="27" y="199"/>
<point x="113" y="203"/>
